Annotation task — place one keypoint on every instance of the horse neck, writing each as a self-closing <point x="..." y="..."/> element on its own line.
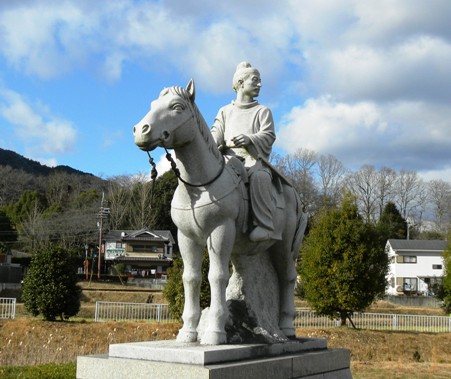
<point x="198" y="160"/>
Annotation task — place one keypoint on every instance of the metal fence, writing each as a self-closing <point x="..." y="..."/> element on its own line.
<point x="7" y="307"/>
<point x="114" y="311"/>
<point x="377" y="321"/>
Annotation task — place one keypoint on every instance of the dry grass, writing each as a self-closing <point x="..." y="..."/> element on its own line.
<point x="374" y="354"/>
<point x="387" y="355"/>
<point x="28" y="341"/>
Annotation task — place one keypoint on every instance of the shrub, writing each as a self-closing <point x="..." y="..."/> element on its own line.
<point x="50" y="286"/>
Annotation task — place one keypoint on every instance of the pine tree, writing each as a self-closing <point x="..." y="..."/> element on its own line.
<point x="50" y="286"/>
<point x="343" y="265"/>
<point x="392" y="224"/>
<point x="8" y="234"/>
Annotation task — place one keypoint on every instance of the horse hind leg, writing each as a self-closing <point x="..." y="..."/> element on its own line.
<point x="285" y="265"/>
<point x="192" y="277"/>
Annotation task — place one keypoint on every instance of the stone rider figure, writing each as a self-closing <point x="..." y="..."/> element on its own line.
<point x="245" y="129"/>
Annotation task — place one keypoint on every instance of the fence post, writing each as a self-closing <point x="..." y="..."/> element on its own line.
<point x="96" y="313"/>
<point x="395" y="322"/>
<point x="159" y="312"/>
<point x="13" y="311"/>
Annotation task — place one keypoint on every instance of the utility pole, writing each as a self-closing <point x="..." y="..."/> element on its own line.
<point x="102" y="215"/>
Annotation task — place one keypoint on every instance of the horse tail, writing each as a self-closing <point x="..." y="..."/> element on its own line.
<point x="301" y="225"/>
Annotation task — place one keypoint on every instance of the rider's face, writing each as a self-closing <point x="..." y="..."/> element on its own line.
<point x="251" y="85"/>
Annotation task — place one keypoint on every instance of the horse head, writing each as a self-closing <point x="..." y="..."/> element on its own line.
<point x="162" y="125"/>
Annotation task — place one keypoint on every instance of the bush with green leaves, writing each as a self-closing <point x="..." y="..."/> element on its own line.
<point x="50" y="287"/>
<point x="343" y="263"/>
<point x="444" y="292"/>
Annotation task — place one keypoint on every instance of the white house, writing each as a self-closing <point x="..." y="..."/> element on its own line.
<point x="414" y="265"/>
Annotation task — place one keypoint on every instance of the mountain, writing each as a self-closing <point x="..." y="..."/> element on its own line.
<point x="19" y="162"/>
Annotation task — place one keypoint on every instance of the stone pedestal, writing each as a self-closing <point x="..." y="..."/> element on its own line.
<point x="302" y="358"/>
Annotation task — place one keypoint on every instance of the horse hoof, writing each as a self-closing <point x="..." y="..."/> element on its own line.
<point x="213" y="338"/>
<point x="186" y="337"/>
<point x="289" y="332"/>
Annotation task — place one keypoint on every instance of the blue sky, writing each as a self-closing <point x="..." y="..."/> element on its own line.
<point x="366" y="81"/>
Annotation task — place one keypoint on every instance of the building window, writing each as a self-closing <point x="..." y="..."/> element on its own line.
<point x="436" y="267"/>
<point x="410" y="284"/>
<point x="406" y="259"/>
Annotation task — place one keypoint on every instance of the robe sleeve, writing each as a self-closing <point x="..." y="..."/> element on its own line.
<point x="218" y="128"/>
<point x="264" y="134"/>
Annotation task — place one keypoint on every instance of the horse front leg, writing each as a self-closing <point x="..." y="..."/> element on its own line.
<point x="220" y="245"/>
<point x="192" y="277"/>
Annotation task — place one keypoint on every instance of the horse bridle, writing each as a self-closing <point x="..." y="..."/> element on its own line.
<point x="174" y="167"/>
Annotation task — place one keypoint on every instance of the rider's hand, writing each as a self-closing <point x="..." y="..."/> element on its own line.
<point x="241" y="140"/>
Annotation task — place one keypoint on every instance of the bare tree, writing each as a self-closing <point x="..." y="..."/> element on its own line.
<point x="363" y="184"/>
<point x="119" y="199"/>
<point x="385" y="181"/>
<point x="13" y="183"/>
<point x="331" y="172"/>
<point x="439" y="193"/>
<point x="299" y="168"/>
<point x="410" y="195"/>
<point x="57" y="188"/>
<point x="141" y="215"/>
<point x="33" y="233"/>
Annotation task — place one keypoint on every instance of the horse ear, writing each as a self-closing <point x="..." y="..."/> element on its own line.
<point x="190" y="88"/>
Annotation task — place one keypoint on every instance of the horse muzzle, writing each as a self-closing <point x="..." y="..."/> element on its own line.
<point x="142" y="134"/>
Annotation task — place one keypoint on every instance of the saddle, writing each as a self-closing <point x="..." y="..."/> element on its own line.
<point x="278" y="181"/>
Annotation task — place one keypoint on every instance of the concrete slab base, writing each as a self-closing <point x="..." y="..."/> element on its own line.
<point x="306" y="358"/>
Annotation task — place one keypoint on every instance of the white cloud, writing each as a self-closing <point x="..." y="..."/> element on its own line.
<point x="323" y="125"/>
<point x="410" y="135"/>
<point x="39" y="131"/>
<point x="50" y="162"/>
<point x="376" y="78"/>
<point x="416" y="69"/>
<point x="441" y="174"/>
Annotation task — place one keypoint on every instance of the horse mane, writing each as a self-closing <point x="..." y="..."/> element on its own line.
<point x="201" y="123"/>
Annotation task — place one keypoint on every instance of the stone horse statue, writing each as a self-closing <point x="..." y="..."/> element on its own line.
<point x="210" y="208"/>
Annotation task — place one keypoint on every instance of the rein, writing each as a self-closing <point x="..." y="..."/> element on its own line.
<point x="154" y="173"/>
<point x="174" y="167"/>
<point x="177" y="171"/>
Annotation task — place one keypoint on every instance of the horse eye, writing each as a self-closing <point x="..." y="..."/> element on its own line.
<point x="178" y="107"/>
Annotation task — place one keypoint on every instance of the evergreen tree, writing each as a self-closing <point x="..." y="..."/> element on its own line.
<point x="391" y="224"/>
<point x="343" y="265"/>
<point x="445" y="290"/>
<point x="163" y="193"/>
<point x="50" y="286"/>
<point x="8" y="233"/>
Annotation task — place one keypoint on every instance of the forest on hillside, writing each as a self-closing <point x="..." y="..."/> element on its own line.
<point x="40" y="205"/>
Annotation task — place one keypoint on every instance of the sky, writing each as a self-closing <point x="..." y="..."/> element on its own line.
<point x="368" y="81"/>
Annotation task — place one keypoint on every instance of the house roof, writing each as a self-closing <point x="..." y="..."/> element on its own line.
<point x="418" y="245"/>
<point x="140" y="235"/>
<point x="142" y="259"/>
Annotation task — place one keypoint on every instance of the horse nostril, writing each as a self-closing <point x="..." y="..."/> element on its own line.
<point x="134" y="130"/>
<point x="145" y="129"/>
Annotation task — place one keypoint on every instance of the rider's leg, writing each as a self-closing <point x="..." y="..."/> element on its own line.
<point x="262" y="205"/>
